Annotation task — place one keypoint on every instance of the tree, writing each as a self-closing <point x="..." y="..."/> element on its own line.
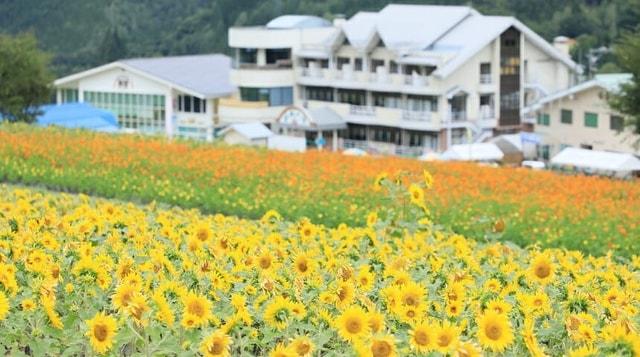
<point x="627" y="101"/>
<point x="112" y="47"/>
<point x="25" y="79"/>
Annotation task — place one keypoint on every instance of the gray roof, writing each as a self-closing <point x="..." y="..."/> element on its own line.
<point x="207" y="75"/>
<point x="443" y="36"/>
<point x="326" y="118"/>
<point x="249" y="130"/>
<point x="297" y="21"/>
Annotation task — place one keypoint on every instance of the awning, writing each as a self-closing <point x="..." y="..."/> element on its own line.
<point x="473" y="152"/>
<point x="596" y="160"/>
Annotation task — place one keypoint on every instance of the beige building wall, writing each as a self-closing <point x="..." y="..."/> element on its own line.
<point x="558" y="135"/>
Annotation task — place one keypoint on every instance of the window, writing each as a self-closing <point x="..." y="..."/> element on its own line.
<point x="142" y="112"/>
<point x="275" y="96"/>
<point x="69" y="95"/>
<point x="358" y="65"/>
<point x="324" y="63"/>
<point x="566" y="116"/>
<point x="324" y="94"/>
<point x="190" y="104"/>
<point x="586" y="146"/>
<point x="616" y="123"/>
<point x="485" y="73"/>
<point x="393" y="67"/>
<point x="355" y="97"/>
<point x="248" y="55"/>
<point x="342" y="61"/>
<point x="277" y="56"/>
<point x="591" y="120"/>
<point x="421" y="103"/>
<point x="544" y="152"/>
<point x="388" y="100"/>
<point x="544" y="119"/>
<point x="375" y="63"/>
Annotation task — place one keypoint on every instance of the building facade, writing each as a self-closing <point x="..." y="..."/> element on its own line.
<point x="171" y="95"/>
<point x="580" y="117"/>
<point x="410" y="76"/>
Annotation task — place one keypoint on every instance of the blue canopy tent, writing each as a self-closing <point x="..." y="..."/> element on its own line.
<point x="78" y="115"/>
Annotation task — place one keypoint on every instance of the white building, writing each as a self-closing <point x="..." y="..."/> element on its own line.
<point x="411" y="76"/>
<point x="172" y="95"/>
<point x="580" y="117"/>
<point x="251" y="134"/>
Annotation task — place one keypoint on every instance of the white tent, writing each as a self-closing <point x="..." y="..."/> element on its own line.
<point x="473" y="152"/>
<point x="287" y="143"/>
<point x="598" y="161"/>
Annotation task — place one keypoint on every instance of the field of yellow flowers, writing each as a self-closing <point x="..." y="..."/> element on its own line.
<point x="84" y="276"/>
<point x="594" y="215"/>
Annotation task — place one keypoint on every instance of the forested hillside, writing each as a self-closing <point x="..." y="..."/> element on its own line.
<point x="81" y="34"/>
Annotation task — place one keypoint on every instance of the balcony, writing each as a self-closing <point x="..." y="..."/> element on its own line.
<point x="349" y="78"/>
<point x="458" y="115"/>
<point x="279" y="64"/>
<point x="487" y="112"/>
<point x="415" y="115"/>
<point x="362" y="110"/>
<point x="485" y="78"/>
<point x="382" y="148"/>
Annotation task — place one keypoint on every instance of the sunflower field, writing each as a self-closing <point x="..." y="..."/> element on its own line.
<point x="88" y="276"/>
<point x="590" y="214"/>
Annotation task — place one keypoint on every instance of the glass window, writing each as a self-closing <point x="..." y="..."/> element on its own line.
<point x="358" y="64"/>
<point x="566" y="116"/>
<point x="591" y="120"/>
<point x="196" y="105"/>
<point x="485" y="68"/>
<point x="388" y="100"/>
<point x="616" y="123"/>
<point x="324" y="94"/>
<point x="393" y="67"/>
<point x="375" y="63"/>
<point x="342" y="61"/>
<point x="187" y="103"/>
<point x="134" y="111"/>
<point x="279" y="56"/>
<point x="544" y="119"/>
<point x="355" y="97"/>
<point x="248" y="55"/>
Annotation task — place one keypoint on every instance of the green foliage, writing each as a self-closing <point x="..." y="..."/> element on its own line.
<point x="627" y="101"/>
<point x="24" y="77"/>
<point x="78" y="33"/>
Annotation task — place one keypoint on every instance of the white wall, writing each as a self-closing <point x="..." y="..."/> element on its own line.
<point x="575" y="134"/>
<point x="107" y="82"/>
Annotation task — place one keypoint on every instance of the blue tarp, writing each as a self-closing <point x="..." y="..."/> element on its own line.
<point x="78" y="115"/>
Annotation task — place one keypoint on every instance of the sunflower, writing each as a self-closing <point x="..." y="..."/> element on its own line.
<point x="197" y="307"/>
<point x="101" y="331"/>
<point x="282" y="351"/>
<point x="28" y="305"/>
<point x="365" y="279"/>
<point x="123" y="295"/>
<point x="202" y="232"/>
<point x="352" y="324"/>
<point x="376" y="321"/>
<point x="217" y="344"/>
<point x="422" y="337"/>
<point x="499" y="306"/>
<point x="446" y="337"/>
<point x="467" y="349"/>
<point x="384" y="346"/>
<point x="4" y="306"/>
<point x="265" y="260"/>
<point x="417" y="195"/>
<point x="302" y="346"/>
<point x="277" y="313"/>
<point x="411" y="294"/>
<point x="428" y="179"/>
<point x="494" y="331"/>
<point x="542" y="269"/>
<point x="303" y="265"/>
<point x="344" y="294"/>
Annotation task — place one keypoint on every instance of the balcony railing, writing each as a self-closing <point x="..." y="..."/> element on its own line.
<point x="362" y="110"/>
<point x="280" y="64"/>
<point x="458" y="115"/>
<point x="487" y="112"/>
<point x="485" y="78"/>
<point x="415" y="80"/>
<point x="415" y="115"/>
<point x="382" y="148"/>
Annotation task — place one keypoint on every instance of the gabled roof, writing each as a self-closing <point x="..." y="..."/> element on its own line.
<point x="473" y="152"/>
<point x="445" y="35"/>
<point x="205" y="76"/>
<point x="476" y="32"/>
<point x="250" y="131"/>
<point x="608" y="82"/>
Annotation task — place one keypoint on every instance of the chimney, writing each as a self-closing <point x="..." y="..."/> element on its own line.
<point x="563" y="44"/>
<point x="339" y="20"/>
